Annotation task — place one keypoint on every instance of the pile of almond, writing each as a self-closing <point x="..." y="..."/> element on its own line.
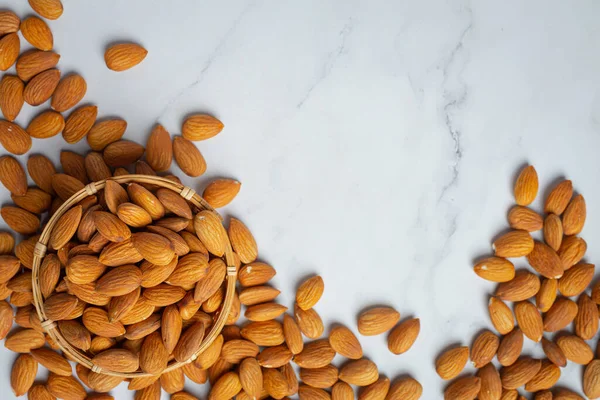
<point x="541" y="301"/>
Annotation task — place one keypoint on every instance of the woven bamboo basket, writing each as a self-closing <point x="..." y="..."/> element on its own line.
<point x="40" y="251"/>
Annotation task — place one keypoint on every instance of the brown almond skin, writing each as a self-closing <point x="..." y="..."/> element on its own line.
<point x="105" y="132"/>
<point x="586" y="321"/>
<point x="526" y="186"/>
<point x="32" y="62"/>
<point x="553" y="231"/>
<point x="309" y="322"/>
<point x="315" y="354"/>
<point x="484" y="349"/>
<point x="119" y="281"/>
<point x="188" y="157"/>
<point x="123" y="56"/>
<point x="591" y="380"/>
<point x="546" y="296"/>
<point x="491" y="385"/>
<point x="530" y="320"/>
<point x="13" y="138"/>
<point x="70" y="90"/>
<point x="523" y="286"/>
<point x="264" y="333"/>
<point x="516" y="243"/>
<point x="377" y="320"/>
<point x="12" y="176"/>
<point x="159" y="151"/>
<point x="9" y="22"/>
<point x="560" y="315"/>
<point x="118" y="360"/>
<point x="153" y="354"/>
<point x="519" y="373"/>
<point x="559" y="198"/>
<point x="465" y="388"/>
<point x="10" y="45"/>
<point x="122" y="153"/>
<point x="221" y="192"/>
<point x="524" y="218"/>
<point x="576" y="279"/>
<point x="23" y="374"/>
<point x="573" y="219"/>
<point x="11" y="102"/>
<point x="545" y="261"/>
<point x="79" y="123"/>
<point x="501" y="316"/>
<point x="495" y="269"/>
<point x="575" y="349"/>
<point x="547" y="376"/>
<point x="451" y="363"/>
<point x="189" y="343"/>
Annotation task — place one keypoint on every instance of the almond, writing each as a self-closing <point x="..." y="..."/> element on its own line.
<point x="255" y="273"/>
<point x="87" y="293"/>
<point x="37" y="33"/>
<point x="322" y="378"/>
<point x="24" y="340"/>
<point x="450" y="363"/>
<point x="566" y="394"/>
<point x="195" y="374"/>
<point x="9" y="22"/>
<point x="76" y="334"/>
<point x="114" y="196"/>
<point x="553" y="231"/>
<point x="153" y="275"/>
<point x="133" y="215"/>
<point x="575" y="349"/>
<point x="576" y="279"/>
<point x="524" y="218"/>
<point x="7" y="243"/>
<point x="547" y="294"/>
<point x="519" y="373"/>
<point x="559" y="198"/>
<point x="212" y="353"/>
<point x="234" y="351"/>
<point x="150" y="392"/>
<point x="574" y="216"/>
<point x="226" y="387"/>
<point x="39" y="392"/>
<point x="6" y="318"/>
<point x="79" y="123"/>
<point x="101" y="343"/>
<point x="377" y="320"/>
<point x="84" y="269"/>
<point x="50" y="9"/>
<point x="251" y="377"/>
<point x="117" y="360"/>
<point x="375" y="391"/>
<point x="591" y="380"/>
<point x="65" y="227"/>
<point x="35" y="201"/>
<point x="59" y="306"/>
<point x="122" y="153"/>
<point x="188" y="157"/>
<point x="190" y="269"/>
<point x="120" y="253"/>
<point x="530" y="320"/>
<point x="24" y="251"/>
<point x="517" y="243"/>
<point x="111" y="227"/>
<point x="586" y="321"/>
<point x="510" y="348"/>
<point x="153" y="354"/>
<point x="491" y="385"/>
<point x="526" y="186"/>
<point x="32" y="62"/>
<point x="96" y="321"/>
<point x="218" y="369"/>
<point x="361" y="372"/>
<point x="465" y="388"/>
<point x="123" y="56"/>
<point x="120" y="306"/>
<point x="66" y="186"/>
<point x="96" y="169"/>
<point x="65" y="387"/>
<point x="501" y="316"/>
<point x="546" y="378"/>
<point x="163" y="295"/>
<point x="13" y="138"/>
<point x="484" y="349"/>
<point x="41" y="87"/>
<point x="545" y="261"/>
<point x="291" y="379"/>
<point x="209" y="284"/>
<point x="495" y="269"/>
<point x="10" y="45"/>
<point x="306" y="392"/>
<point x="11" y="96"/>
<point x="522" y="287"/>
<point x="52" y="361"/>
<point x="316" y="354"/>
<point x="309" y="322"/>
<point x="211" y="232"/>
<point x="221" y="192"/>
<point x="267" y="333"/>
<point x="145" y="199"/>
<point x="344" y="342"/>
<point x="596" y="293"/>
<point x="41" y="170"/>
<point x="140" y="311"/>
<point x="402" y="389"/>
<point x="23" y="374"/>
<point x="274" y="357"/>
<point x="571" y="251"/>
<point x="159" y="150"/>
<point x="70" y="90"/>
<point x="106" y="132"/>
<point x="143" y="328"/>
<point x="45" y="125"/>
<point x="13" y="176"/>
<point x="560" y="315"/>
<point x="73" y="164"/>
<point x="102" y="382"/>
<point x="201" y="127"/>
<point x="258" y="294"/>
<point x="119" y="281"/>
<point x="309" y="292"/>
<point x="155" y="248"/>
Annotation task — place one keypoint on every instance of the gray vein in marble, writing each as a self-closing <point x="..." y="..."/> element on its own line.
<point x="454" y="102"/>
<point x="208" y="63"/>
<point x="332" y="58"/>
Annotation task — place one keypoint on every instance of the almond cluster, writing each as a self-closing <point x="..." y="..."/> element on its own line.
<point x="551" y="304"/>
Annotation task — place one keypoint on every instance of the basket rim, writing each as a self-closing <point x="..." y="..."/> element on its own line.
<point x="40" y="251"/>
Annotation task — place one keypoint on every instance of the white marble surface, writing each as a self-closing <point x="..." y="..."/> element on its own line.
<point x="377" y="141"/>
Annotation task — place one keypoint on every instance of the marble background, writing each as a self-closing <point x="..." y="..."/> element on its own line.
<point x="377" y="142"/>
